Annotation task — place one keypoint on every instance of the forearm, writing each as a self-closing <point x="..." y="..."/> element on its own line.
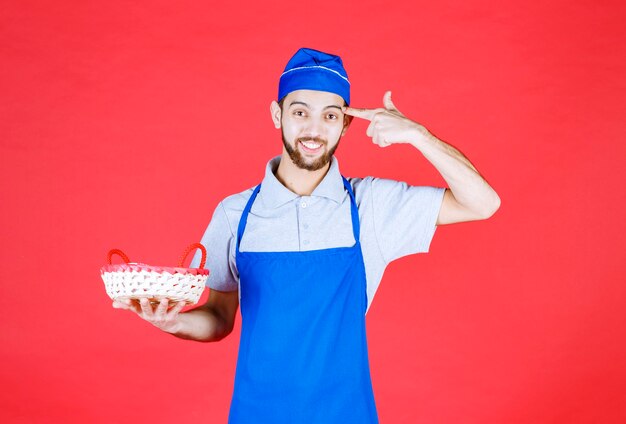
<point x="201" y="324"/>
<point x="465" y="182"/>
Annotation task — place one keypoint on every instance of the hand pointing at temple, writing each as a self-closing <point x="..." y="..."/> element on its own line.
<point x="388" y="125"/>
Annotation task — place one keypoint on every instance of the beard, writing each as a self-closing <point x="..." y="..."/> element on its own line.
<point x="299" y="160"/>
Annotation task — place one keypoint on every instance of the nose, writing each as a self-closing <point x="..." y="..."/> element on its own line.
<point x="314" y="128"/>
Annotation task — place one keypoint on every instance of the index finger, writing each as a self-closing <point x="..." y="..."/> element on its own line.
<point x="360" y="113"/>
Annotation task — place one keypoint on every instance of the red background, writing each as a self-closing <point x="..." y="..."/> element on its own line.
<point x="123" y="123"/>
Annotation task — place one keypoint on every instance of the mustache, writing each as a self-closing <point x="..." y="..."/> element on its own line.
<point x="313" y="139"/>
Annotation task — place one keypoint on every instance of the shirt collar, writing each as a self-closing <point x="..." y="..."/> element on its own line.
<point x="274" y="194"/>
<point x="331" y="186"/>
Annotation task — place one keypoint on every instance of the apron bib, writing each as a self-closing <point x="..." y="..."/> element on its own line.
<point x="303" y="350"/>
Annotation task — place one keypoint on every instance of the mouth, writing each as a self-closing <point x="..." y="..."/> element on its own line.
<point x="311" y="146"/>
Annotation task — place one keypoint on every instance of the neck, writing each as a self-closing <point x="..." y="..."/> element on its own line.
<point x="298" y="180"/>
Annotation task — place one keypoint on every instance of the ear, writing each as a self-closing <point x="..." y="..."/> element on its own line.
<point x="347" y="120"/>
<point x="276" y="113"/>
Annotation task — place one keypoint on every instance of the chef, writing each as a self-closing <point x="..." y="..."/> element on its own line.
<point x="303" y="252"/>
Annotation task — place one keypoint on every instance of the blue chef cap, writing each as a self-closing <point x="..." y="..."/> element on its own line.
<point x="310" y="69"/>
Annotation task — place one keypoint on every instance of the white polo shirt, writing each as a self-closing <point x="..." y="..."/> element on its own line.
<point x="396" y="220"/>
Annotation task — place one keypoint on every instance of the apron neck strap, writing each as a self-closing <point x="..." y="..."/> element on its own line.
<point x="244" y="215"/>
<point x="356" y="228"/>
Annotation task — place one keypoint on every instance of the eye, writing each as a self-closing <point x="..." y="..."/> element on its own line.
<point x="332" y="116"/>
<point x="298" y="113"/>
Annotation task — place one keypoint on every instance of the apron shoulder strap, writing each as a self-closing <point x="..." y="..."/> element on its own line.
<point x="356" y="227"/>
<point x="244" y="215"/>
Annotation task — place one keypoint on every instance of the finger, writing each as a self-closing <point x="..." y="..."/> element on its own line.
<point x="134" y="306"/>
<point x="146" y="307"/>
<point x="121" y="303"/>
<point x="388" y="103"/>
<point x="360" y="113"/>
<point x="377" y="139"/>
<point x="176" y="309"/>
<point x="162" y="308"/>
<point x="370" y="129"/>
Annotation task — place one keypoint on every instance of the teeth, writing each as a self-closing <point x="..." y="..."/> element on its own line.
<point x="311" y="145"/>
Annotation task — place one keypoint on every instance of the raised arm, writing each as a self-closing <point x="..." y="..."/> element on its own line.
<point x="469" y="197"/>
<point x="207" y="323"/>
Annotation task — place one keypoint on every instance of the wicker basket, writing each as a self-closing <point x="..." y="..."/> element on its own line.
<point x="136" y="280"/>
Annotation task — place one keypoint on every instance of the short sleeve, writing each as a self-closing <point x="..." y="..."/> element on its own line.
<point x="405" y="217"/>
<point x="219" y="241"/>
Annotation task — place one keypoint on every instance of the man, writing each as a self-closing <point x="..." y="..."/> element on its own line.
<point x="304" y="252"/>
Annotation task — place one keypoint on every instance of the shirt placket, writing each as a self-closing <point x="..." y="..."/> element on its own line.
<point x="303" y="205"/>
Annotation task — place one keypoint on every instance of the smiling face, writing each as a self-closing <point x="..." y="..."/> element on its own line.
<point x="311" y="124"/>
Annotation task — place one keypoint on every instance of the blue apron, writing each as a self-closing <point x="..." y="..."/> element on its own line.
<point x="303" y="349"/>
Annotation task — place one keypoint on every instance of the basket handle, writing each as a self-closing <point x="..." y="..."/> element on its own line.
<point x="119" y="253"/>
<point x="191" y="247"/>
